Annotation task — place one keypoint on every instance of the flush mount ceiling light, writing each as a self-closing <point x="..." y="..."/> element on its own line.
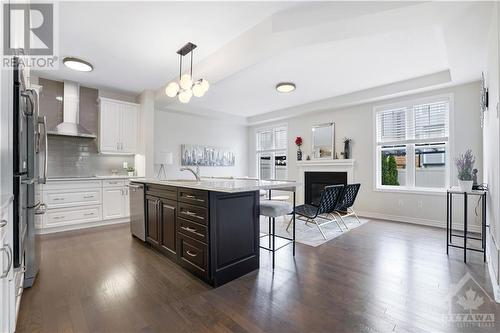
<point x="78" y="64"/>
<point x="186" y="87"/>
<point x="285" y="87"/>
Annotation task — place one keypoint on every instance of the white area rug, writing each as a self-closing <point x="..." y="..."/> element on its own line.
<point x="309" y="234"/>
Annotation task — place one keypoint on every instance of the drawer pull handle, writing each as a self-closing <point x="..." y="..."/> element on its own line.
<point x="19" y="292"/>
<point x="88" y="214"/>
<point x="3" y="223"/>
<point x="59" y="217"/>
<point x="193" y="214"/>
<point x="58" y="199"/>
<point x="88" y="197"/>
<point x="189" y="196"/>
<point x="191" y="254"/>
<point x="7" y="249"/>
<point x="192" y="230"/>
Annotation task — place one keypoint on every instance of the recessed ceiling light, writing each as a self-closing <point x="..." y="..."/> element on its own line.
<point x="285" y="87"/>
<point x="78" y="64"/>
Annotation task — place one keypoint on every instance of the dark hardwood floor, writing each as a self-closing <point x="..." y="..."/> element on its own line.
<point x="380" y="277"/>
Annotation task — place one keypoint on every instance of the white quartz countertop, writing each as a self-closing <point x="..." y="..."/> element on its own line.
<point x="225" y="185"/>
<point x="51" y="179"/>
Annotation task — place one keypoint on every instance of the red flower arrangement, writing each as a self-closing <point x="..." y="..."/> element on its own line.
<point x="298" y="141"/>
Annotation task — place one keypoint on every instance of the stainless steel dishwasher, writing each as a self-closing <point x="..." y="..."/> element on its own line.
<point x="137" y="220"/>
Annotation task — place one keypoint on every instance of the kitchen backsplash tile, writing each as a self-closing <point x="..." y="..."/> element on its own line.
<point x="76" y="157"/>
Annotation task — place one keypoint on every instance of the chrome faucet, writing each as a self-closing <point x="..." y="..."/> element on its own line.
<point x="195" y="173"/>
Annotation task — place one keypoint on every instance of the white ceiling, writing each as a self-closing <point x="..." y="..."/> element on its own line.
<point x="133" y="45"/>
<point x="328" y="49"/>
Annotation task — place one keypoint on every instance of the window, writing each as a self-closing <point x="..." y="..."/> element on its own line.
<point x="272" y="153"/>
<point x="412" y="145"/>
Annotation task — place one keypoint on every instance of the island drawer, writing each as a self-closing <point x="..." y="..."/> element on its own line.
<point x="191" y="196"/>
<point x="193" y="213"/>
<point x="164" y="191"/>
<point x="192" y="229"/>
<point x="193" y="255"/>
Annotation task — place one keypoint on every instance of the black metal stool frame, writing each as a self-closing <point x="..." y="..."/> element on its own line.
<point x="272" y="233"/>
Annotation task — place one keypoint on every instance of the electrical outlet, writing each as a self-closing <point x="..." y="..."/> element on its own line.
<point x="400" y="202"/>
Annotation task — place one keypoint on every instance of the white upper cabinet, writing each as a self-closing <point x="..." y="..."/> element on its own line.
<point x="118" y="127"/>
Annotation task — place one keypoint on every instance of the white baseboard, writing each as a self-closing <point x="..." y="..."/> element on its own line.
<point x="415" y="220"/>
<point x="84" y="225"/>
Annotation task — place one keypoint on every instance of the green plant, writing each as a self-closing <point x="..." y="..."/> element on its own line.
<point x="465" y="165"/>
<point x="130" y="169"/>
<point x="389" y="170"/>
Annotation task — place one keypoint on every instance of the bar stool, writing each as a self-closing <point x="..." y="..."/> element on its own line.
<point x="273" y="209"/>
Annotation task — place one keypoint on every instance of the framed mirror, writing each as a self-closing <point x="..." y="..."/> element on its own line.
<point x="323" y="141"/>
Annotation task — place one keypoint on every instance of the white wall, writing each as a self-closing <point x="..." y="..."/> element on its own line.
<point x="356" y="122"/>
<point x="173" y="129"/>
<point x="492" y="144"/>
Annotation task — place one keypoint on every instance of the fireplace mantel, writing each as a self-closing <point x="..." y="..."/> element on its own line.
<point x="337" y="162"/>
<point x="323" y="165"/>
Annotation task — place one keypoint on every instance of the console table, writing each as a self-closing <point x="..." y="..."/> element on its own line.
<point x="449" y="221"/>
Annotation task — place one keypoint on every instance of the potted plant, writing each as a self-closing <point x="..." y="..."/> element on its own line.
<point x="465" y="165"/>
<point x="298" y="143"/>
<point x="130" y="171"/>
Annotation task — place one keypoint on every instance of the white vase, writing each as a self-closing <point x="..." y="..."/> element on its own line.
<point x="465" y="185"/>
<point x="131" y="173"/>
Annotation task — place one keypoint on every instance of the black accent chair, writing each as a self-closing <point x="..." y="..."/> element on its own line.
<point x="345" y="203"/>
<point x="329" y="200"/>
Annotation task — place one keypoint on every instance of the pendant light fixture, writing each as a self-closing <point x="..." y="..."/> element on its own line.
<point x="187" y="86"/>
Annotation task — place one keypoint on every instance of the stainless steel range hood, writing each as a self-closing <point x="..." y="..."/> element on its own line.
<point x="71" y="118"/>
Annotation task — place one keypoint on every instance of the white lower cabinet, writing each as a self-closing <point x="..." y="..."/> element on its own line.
<point x="113" y="203"/>
<point x="78" y="204"/>
<point x="8" y="288"/>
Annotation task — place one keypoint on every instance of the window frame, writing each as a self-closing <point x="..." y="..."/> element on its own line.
<point x="270" y="152"/>
<point x="410" y="187"/>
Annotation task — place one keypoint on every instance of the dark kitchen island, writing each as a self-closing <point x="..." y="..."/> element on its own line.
<point x="210" y="227"/>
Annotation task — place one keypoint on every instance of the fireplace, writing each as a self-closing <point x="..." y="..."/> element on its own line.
<point x="315" y="182"/>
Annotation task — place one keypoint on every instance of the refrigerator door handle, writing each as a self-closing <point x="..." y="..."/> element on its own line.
<point x="27" y="94"/>
<point x="43" y="121"/>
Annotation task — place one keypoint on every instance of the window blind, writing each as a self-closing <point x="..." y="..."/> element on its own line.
<point x="280" y="135"/>
<point x="419" y="123"/>
<point x="272" y="139"/>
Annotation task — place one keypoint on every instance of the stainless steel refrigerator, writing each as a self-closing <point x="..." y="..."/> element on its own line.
<point x="29" y="147"/>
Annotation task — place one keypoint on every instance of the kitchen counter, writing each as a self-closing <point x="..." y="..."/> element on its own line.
<point x="52" y="179"/>
<point x="224" y="185"/>
<point x="210" y="227"/>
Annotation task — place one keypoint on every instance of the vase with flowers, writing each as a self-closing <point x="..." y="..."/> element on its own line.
<point x="465" y="166"/>
<point x="298" y="143"/>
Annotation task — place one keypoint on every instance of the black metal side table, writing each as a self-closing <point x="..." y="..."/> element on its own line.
<point x="449" y="222"/>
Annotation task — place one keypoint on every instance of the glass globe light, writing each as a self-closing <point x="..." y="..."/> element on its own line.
<point x="198" y="90"/>
<point x="172" y="89"/>
<point x="185" y="96"/>
<point x="186" y="81"/>
<point x="204" y="84"/>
